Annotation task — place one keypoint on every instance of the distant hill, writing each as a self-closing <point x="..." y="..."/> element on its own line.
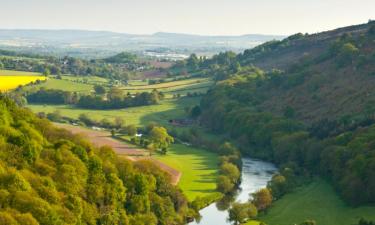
<point x="104" y="43"/>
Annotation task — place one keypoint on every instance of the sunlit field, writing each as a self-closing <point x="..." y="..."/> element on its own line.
<point x="12" y="79"/>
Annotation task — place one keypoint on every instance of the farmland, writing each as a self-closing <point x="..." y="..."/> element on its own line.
<point x="161" y="113"/>
<point x="85" y="85"/>
<point x="12" y="79"/>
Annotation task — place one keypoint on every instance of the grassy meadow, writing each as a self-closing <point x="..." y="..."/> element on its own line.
<point x="199" y="169"/>
<point x="65" y="85"/>
<point x="161" y="113"/>
<point x="12" y="79"/>
<point x="317" y="201"/>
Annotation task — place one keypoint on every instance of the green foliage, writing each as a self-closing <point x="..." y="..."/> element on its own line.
<point x="99" y="89"/>
<point x="224" y="184"/>
<point x="262" y="199"/>
<point x="317" y="201"/>
<point x="160" y="138"/>
<point x="49" y="176"/>
<point x="240" y="212"/>
<point x="365" y="222"/>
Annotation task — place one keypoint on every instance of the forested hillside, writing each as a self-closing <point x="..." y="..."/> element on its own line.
<point x="315" y="117"/>
<point x="49" y="176"/>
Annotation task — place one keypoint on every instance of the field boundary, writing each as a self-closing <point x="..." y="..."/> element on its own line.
<point x="102" y="138"/>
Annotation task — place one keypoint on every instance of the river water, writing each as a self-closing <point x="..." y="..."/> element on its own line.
<point x="255" y="175"/>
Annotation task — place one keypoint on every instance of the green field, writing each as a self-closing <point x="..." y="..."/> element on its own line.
<point x="17" y="73"/>
<point x="182" y="87"/>
<point x="86" y="79"/>
<point x="165" y="85"/>
<point x="317" y="201"/>
<point x="161" y="113"/>
<point x="199" y="169"/>
<point x="86" y="85"/>
<point x="64" y="85"/>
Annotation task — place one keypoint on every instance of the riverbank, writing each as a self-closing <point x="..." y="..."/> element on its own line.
<point x="255" y="175"/>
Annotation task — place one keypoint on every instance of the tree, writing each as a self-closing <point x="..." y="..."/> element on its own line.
<point x="289" y="112"/>
<point x="160" y="138"/>
<point x="46" y="72"/>
<point x="115" y="93"/>
<point x="308" y="222"/>
<point x="196" y="112"/>
<point x="99" y="89"/>
<point x="262" y="199"/>
<point x="119" y="122"/>
<point x="131" y="130"/>
<point x="364" y="222"/>
<point x="55" y="116"/>
<point x="231" y="171"/>
<point x="86" y="120"/>
<point x="240" y="212"/>
<point x="224" y="184"/>
<point x="278" y="186"/>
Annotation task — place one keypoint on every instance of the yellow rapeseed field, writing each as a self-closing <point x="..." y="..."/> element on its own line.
<point x="11" y="82"/>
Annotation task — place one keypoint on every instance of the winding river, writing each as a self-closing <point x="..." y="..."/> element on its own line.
<point x="255" y="175"/>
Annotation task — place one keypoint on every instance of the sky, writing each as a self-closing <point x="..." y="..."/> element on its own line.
<point x="205" y="17"/>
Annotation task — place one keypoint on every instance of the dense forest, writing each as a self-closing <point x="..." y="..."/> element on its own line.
<point x="49" y="176"/>
<point x="314" y="118"/>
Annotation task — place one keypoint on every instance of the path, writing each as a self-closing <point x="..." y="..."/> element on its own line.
<point x="100" y="138"/>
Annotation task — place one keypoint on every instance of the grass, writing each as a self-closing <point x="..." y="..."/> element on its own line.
<point x="317" y="201"/>
<point x="12" y="79"/>
<point x="254" y="222"/>
<point x="199" y="169"/>
<point x="86" y="79"/>
<point x="18" y="73"/>
<point x="65" y="85"/>
<point x="167" y="85"/>
<point x="161" y="113"/>
<point x="85" y="85"/>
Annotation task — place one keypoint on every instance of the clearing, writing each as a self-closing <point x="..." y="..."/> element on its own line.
<point x="142" y="115"/>
<point x="199" y="169"/>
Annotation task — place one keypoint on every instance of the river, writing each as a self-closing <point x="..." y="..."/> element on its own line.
<point x="255" y="175"/>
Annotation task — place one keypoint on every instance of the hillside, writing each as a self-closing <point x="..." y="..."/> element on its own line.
<point x="316" y="117"/>
<point x="284" y="53"/>
<point x="50" y="176"/>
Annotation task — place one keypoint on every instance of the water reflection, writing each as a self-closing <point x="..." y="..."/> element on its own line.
<point x="255" y="175"/>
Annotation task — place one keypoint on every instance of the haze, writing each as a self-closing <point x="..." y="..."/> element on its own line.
<point x="212" y="17"/>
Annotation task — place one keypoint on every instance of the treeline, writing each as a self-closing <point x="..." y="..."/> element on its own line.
<point x="50" y="176"/>
<point x="119" y="67"/>
<point x="115" y="99"/>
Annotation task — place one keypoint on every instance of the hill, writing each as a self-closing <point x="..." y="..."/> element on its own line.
<point x="50" y="176"/>
<point x="315" y="117"/>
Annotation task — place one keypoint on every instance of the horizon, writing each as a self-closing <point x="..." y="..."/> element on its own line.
<point x="208" y="18"/>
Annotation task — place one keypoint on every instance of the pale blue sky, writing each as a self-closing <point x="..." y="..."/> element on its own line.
<point x="213" y="17"/>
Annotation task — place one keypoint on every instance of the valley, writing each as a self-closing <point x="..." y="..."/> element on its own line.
<point x="280" y="134"/>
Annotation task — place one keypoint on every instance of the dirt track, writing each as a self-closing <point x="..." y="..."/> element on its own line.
<point x="100" y="138"/>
